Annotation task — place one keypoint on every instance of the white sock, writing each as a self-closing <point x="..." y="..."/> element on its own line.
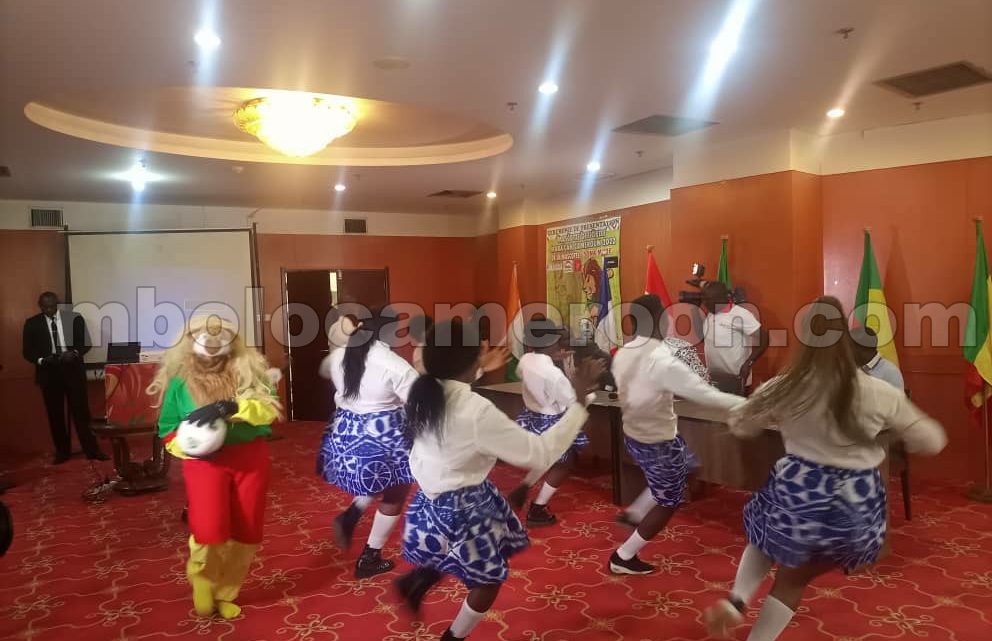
<point x="466" y="621"/>
<point x="643" y="504"/>
<point x="629" y="550"/>
<point x="362" y="502"/>
<point x="382" y="525"/>
<point x="533" y="477"/>
<point x="751" y="571"/>
<point x="547" y="491"/>
<point x="772" y="620"/>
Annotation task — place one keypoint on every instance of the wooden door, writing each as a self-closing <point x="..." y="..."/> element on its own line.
<point x="310" y="396"/>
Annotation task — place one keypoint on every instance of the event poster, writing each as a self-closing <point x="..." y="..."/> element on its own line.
<point x="583" y="260"/>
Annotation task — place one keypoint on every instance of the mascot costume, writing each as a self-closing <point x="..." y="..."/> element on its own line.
<point x="218" y="402"/>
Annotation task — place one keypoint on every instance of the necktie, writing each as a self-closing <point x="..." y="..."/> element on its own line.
<point x="55" y="338"/>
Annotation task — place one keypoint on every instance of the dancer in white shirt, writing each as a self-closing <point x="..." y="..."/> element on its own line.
<point x="458" y="523"/>
<point x="648" y="376"/>
<point x="824" y="504"/>
<point x="547" y="393"/>
<point x="364" y="450"/>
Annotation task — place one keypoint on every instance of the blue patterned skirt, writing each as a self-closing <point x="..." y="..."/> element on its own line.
<point x="540" y="423"/>
<point x="808" y="512"/>
<point x="365" y="454"/>
<point x="469" y="533"/>
<point x="666" y="466"/>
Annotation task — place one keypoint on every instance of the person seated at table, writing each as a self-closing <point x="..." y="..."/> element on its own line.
<point x="733" y="339"/>
<point x="823" y="506"/>
<point x="871" y="362"/>
<point x="648" y="377"/>
<point x="547" y="394"/>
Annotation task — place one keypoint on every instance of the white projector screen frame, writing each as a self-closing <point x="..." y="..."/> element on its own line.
<point x="115" y="280"/>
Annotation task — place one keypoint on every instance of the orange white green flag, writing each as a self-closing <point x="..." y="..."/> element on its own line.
<point x="977" y="345"/>
<point x="870" y="309"/>
<point x="514" y="327"/>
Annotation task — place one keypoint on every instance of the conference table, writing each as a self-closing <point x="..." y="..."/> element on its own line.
<point x="725" y="459"/>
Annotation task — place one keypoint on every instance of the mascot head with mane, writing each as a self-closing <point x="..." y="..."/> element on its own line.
<point x="212" y="359"/>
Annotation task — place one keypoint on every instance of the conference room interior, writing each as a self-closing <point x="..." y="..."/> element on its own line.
<point x="282" y="164"/>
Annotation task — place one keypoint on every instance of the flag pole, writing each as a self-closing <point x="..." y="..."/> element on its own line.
<point x="982" y="492"/>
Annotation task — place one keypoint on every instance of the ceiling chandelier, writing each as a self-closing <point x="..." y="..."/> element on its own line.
<point x="296" y="124"/>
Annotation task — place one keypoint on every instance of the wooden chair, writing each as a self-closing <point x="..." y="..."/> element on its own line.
<point x="900" y="457"/>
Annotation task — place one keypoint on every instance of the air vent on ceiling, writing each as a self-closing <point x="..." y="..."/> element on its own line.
<point x="46" y="217"/>
<point x="4" y="171"/>
<point x="454" y="193"/>
<point x="658" y="125"/>
<point x="928" y="82"/>
<point x="355" y="226"/>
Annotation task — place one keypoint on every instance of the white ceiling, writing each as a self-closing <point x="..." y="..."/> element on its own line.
<point x="617" y="60"/>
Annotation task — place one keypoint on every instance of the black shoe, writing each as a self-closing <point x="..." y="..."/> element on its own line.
<point x="624" y="519"/>
<point x="414" y="586"/>
<point x="447" y="636"/>
<point x="518" y="497"/>
<point x="345" y="524"/>
<point x="540" y="516"/>
<point x="371" y="563"/>
<point x="98" y="456"/>
<point x="633" y="566"/>
<point x="59" y="459"/>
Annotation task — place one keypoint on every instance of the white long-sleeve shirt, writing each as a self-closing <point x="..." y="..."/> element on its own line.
<point x="815" y="435"/>
<point x="476" y="434"/>
<point x="648" y="377"/>
<point x="385" y="384"/>
<point x="546" y="389"/>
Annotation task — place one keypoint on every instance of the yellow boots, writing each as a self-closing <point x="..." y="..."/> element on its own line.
<point x="216" y="573"/>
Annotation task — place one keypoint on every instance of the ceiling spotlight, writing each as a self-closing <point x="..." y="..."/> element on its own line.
<point x="548" y="88"/>
<point x="206" y="39"/>
<point x="836" y="112"/>
<point x="138" y="175"/>
<point x="491" y="195"/>
<point x="340" y="187"/>
<point x="593" y="166"/>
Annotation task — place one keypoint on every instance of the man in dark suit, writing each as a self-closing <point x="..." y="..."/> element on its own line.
<point x="55" y="342"/>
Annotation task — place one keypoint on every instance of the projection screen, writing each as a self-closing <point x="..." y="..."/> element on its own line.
<point x="143" y="286"/>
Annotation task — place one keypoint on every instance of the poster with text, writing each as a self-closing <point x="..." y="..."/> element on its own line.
<point x="583" y="274"/>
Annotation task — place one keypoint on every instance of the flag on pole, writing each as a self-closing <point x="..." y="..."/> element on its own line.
<point x="723" y="271"/>
<point x="607" y="337"/>
<point x="870" y="309"/>
<point x="654" y="283"/>
<point x="514" y="327"/>
<point x="977" y="345"/>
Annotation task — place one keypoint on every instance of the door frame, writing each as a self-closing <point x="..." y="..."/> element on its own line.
<point x="287" y="349"/>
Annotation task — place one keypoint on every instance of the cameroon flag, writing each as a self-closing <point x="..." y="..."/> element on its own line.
<point x="870" y="309"/>
<point x="977" y="347"/>
<point x="723" y="271"/>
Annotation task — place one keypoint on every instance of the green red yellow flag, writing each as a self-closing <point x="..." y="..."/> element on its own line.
<point x="977" y="345"/>
<point x="870" y="309"/>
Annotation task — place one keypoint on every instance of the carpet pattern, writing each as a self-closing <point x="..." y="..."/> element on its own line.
<point x="115" y="571"/>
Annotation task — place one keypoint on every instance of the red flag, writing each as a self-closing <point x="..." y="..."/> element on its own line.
<point x="654" y="283"/>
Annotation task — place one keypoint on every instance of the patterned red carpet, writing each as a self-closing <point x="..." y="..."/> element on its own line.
<point x="114" y="571"/>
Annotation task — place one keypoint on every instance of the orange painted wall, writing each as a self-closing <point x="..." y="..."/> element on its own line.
<point x="923" y="237"/>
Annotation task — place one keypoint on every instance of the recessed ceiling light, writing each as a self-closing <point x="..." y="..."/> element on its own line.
<point x="340" y="187"/>
<point x="836" y="112"/>
<point x="548" y="88"/>
<point x="206" y="39"/>
<point x="593" y="166"/>
<point x="138" y="175"/>
<point x="491" y="195"/>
